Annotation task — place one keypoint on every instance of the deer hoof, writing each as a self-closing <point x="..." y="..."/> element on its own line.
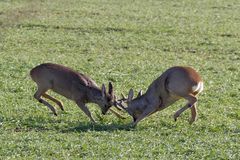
<point x="191" y="120"/>
<point x="133" y="124"/>
<point x="175" y="116"/>
<point x="62" y="108"/>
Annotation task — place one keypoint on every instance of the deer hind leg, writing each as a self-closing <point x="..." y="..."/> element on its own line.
<point x="84" y="108"/>
<point x="59" y="103"/>
<point x="193" y="113"/>
<point x="38" y="95"/>
<point x="191" y="104"/>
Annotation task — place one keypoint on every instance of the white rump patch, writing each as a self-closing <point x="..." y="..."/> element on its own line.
<point x="198" y="88"/>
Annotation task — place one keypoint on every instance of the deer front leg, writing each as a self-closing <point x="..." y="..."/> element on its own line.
<point x="84" y="108"/>
<point x="145" y="113"/>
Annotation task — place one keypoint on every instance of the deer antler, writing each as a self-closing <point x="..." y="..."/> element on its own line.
<point x="119" y="103"/>
<point x="123" y="99"/>
<point x="115" y="104"/>
<point x="117" y="114"/>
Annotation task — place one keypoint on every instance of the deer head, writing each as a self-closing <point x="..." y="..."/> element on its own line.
<point x="107" y="99"/>
<point x="130" y="108"/>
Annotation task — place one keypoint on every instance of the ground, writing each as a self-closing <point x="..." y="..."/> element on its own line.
<point x="129" y="43"/>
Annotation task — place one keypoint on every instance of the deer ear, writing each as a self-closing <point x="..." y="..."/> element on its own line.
<point x="103" y="90"/>
<point x="130" y="95"/>
<point x="110" y="89"/>
<point x="139" y="93"/>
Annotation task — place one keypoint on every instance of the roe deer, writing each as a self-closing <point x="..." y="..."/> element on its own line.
<point x="72" y="85"/>
<point x="174" y="84"/>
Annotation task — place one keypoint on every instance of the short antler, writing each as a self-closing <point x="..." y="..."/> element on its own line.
<point x="123" y="98"/>
<point x="115" y="104"/>
<point x="119" y="103"/>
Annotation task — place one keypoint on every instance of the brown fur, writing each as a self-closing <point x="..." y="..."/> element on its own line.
<point x="174" y="84"/>
<point x="72" y="85"/>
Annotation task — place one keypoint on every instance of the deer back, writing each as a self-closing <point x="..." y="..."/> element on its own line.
<point x="63" y="80"/>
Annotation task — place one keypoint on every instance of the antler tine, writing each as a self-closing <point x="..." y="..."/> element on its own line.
<point x="116" y="106"/>
<point x="123" y="97"/>
<point x="117" y="114"/>
<point x="120" y="104"/>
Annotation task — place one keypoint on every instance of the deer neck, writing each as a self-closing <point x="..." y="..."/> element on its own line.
<point x="137" y="105"/>
<point x="94" y="95"/>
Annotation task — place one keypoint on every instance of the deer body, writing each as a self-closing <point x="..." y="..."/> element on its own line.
<point x="72" y="85"/>
<point x="172" y="85"/>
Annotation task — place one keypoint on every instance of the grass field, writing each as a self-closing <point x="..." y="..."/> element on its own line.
<point x="129" y="43"/>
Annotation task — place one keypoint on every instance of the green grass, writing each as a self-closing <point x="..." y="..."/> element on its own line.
<point x="129" y="43"/>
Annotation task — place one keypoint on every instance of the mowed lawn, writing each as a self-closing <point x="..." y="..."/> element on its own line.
<point x="129" y="43"/>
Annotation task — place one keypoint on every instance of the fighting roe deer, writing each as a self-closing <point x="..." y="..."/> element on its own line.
<point x="174" y="84"/>
<point x="72" y="85"/>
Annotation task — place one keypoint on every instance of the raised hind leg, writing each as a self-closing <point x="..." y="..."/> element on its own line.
<point x="191" y="104"/>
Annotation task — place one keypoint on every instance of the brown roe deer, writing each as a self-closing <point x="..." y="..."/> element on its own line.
<point x="174" y="84"/>
<point x="72" y="85"/>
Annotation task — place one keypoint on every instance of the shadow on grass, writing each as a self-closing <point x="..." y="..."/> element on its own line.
<point x="40" y="124"/>
<point x="84" y="30"/>
<point x="85" y="127"/>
